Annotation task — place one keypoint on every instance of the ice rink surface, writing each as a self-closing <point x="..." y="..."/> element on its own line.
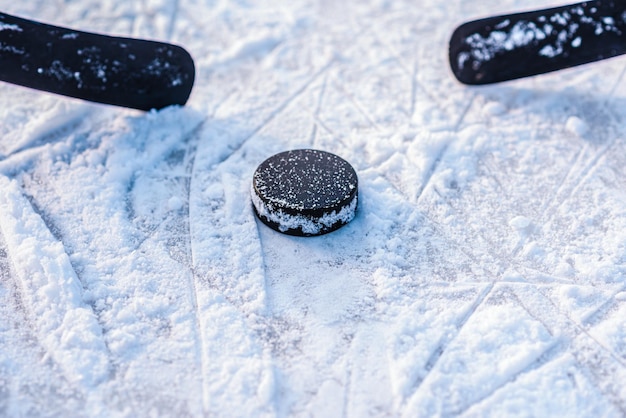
<point x="484" y="274"/>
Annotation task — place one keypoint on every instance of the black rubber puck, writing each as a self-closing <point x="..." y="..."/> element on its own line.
<point x="305" y="192"/>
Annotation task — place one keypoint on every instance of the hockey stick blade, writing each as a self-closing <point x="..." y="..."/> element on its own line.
<point x="126" y="72"/>
<point x="513" y="46"/>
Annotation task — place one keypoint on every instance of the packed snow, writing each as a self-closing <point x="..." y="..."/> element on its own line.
<point x="483" y="275"/>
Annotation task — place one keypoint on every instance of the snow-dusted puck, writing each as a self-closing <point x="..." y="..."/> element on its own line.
<point x="305" y="192"/>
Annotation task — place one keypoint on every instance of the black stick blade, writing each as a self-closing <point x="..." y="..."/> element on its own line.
<point x="119" y="71"/>
<point x="508" y="47"/>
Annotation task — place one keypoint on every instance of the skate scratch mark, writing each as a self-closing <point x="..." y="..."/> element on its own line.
<point x="347" y="388"/>
<point x="578" y="161"/>
<point x="433" y="168"/>
<point x="490" y="171"/>
<point x="394" y="187"/>
<point x="360" y="108"/>
<point x="135" y="13"/>
<point x="173" y="19"/>
<point x="299" y="92"/>
<point x="268" y="301"/>
<point x="490" y="245"/>
<point x="316" y="111"/>
<point x="538" y="277"/>
<point x="319" y="123"/>
<point x="551" y="353"/>
<point x="77" y="142"/>
<point x="415" y="83"/>
<point x="44" y="271"/>
<point x="200" y="340"/>
<point x="438" y="228"/>
<point x="193" y="279"/>
<point x="504" y="260"/>
<point x="431" y="98"/>
<point x="591" y="169"/>
<point x="580" y="176"/>
<point x="56" y="233"/>
<point x="551" y="320"/>
<point x="597" y="316"/>
<point x="462" y="248"/>
<point x="328" y="130"/>
<point x="337" y="138"/>
<point x="595" y="355"/>
<point x="616" y="357"/>
<point x="565" y="324"/>
<point x="619" y="80"/>
<point x="56" y="124"/>
<point x="446" y="340"/>
<point x="278" y="110"/>
<point x="603" y="374"/>
<point x="22" y="327"/>
<point x="575" y="178"/>
<point x="464" y="113"/>
<point x="430" y="173"/>
<point x="410" y="72"/>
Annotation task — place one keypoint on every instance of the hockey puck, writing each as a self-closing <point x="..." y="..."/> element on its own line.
<point x="305" y="192"/>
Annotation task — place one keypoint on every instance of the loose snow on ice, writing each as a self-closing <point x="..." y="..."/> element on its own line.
<point x="51" y="291"/>
<point x="484" y="275"/>
<point x="11" y="27"/>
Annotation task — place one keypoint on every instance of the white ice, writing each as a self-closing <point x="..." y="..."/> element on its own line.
<point x="484" y="273"/>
